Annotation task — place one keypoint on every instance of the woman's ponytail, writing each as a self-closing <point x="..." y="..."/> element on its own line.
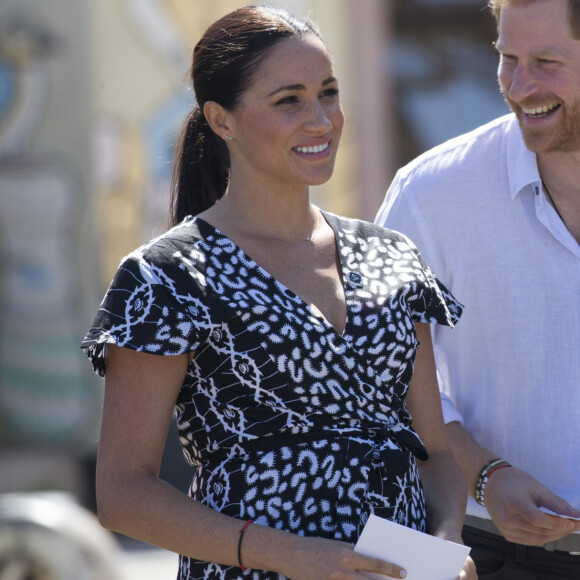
<point x="225" y="61"/>
<point x="201" y="171"/>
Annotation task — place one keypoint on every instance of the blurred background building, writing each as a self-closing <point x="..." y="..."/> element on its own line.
<point x="92" y="96"/>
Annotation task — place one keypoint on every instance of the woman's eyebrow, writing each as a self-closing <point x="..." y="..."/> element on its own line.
<point x="300" y="87"/>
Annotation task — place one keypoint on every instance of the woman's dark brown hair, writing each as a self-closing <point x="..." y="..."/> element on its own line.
<point x="225" y="61"/>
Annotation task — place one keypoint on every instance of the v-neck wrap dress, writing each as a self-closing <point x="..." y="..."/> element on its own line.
<point x="289" y="423"/>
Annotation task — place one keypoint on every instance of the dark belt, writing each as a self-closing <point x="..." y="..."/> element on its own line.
<point x="569" y="543"/>
<point x="398" y="460"/>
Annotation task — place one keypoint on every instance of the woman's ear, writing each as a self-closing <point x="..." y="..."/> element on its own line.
<point x="218" y="119"/>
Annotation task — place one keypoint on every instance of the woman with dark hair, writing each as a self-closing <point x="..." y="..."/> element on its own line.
<point x="283" y="337"/>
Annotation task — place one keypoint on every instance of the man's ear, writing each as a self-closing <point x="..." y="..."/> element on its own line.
<point x="218" y="119"/>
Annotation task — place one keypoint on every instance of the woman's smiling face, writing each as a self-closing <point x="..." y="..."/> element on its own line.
<point x="287" y="124"/>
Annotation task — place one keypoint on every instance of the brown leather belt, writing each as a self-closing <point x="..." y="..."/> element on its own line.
<point x="569" y="543"/>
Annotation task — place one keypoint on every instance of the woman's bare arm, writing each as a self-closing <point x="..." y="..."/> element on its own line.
<point x="140" y="393"/>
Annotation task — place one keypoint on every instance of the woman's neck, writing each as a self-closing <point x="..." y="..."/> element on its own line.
<point x="287" y="212"/>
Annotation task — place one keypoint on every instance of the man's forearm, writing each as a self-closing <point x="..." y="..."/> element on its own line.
<point x="470" y="455"/>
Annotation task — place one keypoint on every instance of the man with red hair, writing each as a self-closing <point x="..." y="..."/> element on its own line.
<point x="496" y="214"/>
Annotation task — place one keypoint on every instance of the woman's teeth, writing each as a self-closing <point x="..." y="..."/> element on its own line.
<point x="315" y="149"/>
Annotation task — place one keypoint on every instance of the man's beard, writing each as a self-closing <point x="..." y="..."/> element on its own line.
<point x="562" y="137"/>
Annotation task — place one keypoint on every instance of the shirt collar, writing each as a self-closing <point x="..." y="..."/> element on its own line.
<point x="522" y="164"/>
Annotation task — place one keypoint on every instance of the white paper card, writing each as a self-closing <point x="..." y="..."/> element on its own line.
<point x="547" y="511"/>
<point x="422" y="555"/>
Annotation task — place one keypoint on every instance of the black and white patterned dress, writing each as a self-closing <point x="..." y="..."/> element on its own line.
<point x="290" y="423"/>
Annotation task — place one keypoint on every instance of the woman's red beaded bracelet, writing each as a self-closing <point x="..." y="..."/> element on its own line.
<point x="240" y="543"/>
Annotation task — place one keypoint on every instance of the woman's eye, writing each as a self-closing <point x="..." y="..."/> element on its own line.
<point x="287" y="100"/>
<point x="330" y="93"/>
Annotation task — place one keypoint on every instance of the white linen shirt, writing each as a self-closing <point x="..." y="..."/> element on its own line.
<point x="510" y="370"/>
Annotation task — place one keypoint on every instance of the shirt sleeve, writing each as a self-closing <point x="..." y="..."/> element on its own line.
<point x="143" y="312"/>
<point x="407" y="209"/>
<point x="450" y="413"/>
<point x="398" y="210"/>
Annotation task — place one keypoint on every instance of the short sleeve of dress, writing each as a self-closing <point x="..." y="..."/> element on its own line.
<point x="142" y="311"/>
<point x="431" y="301"/>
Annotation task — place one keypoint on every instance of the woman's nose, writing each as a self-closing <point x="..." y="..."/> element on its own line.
<point x="318" y="118"/>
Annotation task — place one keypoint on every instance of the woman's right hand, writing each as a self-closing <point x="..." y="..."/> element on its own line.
<point x="319" y="558"/>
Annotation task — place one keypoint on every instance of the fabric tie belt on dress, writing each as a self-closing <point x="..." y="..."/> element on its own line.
<point x="397" y="460"/>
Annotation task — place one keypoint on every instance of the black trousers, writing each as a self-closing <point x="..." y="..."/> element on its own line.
<point x="498" y="559"/>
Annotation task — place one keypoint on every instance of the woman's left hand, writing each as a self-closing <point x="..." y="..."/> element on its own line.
<point x="468" y="572"/>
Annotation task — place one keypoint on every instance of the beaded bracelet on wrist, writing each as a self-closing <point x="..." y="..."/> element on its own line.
<point x="484" y="476"/>
<point x="240" y="543"/>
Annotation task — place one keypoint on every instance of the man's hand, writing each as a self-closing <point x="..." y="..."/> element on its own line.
<point x="513" y="499"/>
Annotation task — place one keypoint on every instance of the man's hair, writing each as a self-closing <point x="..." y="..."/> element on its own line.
<point x="573" y="12"/>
